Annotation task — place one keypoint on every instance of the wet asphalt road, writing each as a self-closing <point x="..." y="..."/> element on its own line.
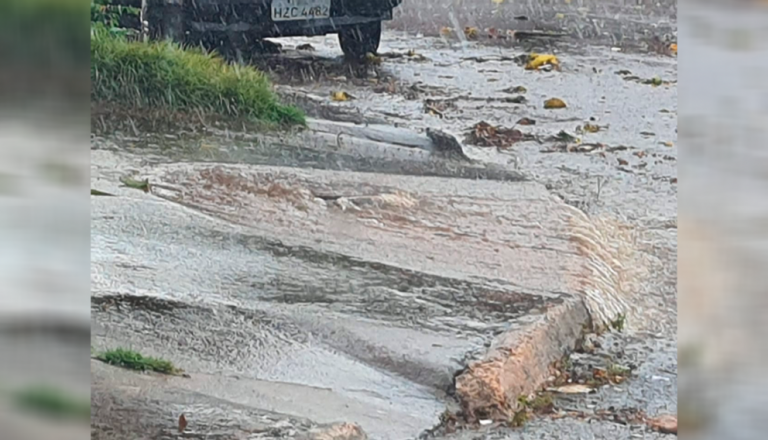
<point x="630" y="174"/>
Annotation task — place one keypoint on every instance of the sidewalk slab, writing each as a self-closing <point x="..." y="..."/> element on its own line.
<point x="371" y="291"/>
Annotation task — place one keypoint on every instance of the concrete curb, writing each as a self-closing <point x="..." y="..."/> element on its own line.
<point x="518" y="362"/>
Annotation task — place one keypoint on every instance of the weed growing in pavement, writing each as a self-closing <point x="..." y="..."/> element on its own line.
<point x="132" y="360"/>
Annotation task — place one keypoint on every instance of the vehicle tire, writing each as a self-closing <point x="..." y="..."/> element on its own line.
<point x="163" y="19"/>
<point x="358" y="41"/>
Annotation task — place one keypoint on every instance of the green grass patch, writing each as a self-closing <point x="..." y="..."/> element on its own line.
<point x="51" y="402"/>
<point x="132" y="360"/>
<point x="163" y="75"/>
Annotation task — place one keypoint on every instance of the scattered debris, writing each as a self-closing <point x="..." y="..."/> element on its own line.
<point x="341" y="96"/>
<point x="471" y="32"/>
<point x="182" y="423"/>
<point x="536" y="61"/>
<point x="573" y="388"/>
<point x="484" y="134"/>
<point x="371" y="58"/>
<point x="564" y="136"/>
<point x="519" y="99"/>
<point x="516" y="90"/>
<point x="437" y="107"/>
<point x="411" y="54"/>
<point x="590" y="128"/>
<point x="665" y="424"/>
<point x="655" y="81"/>
<point x="554" y="103"/>
<point x="526" y="121"/>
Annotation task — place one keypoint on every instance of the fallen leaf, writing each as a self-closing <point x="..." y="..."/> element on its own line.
<point x="673" y="48"/>
<point x="341" y="96"/>
<point x="668" y="144"/>
<point x="572" y="389"/>
<point x="182" y="423"/>
<point x="471" y="32"/>
<point x="673" y="180"/>
<point x="536" y="61"/>
<point x="484" y="134"/>
<point x="446" y="31"/>
<point x="622" y="162"/>
<point x="526" y="121"/>
<point x="665" y="424"/>
<point x="554" y="103"/>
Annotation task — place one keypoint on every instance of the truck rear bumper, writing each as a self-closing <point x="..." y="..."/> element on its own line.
<point x="253" y="17"/>
<point x="268" y="28"/>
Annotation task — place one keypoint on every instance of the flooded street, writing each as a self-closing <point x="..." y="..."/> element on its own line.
<point x="307" y="278"/>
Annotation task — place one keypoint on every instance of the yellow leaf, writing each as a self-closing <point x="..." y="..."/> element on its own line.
<point x="340" y="96"/>
<point x="535" y="61"/>
<point x="559" y="16"/>
<point x="471" y="32"/>
<point x="673" y="48"/>
<point x="446" y="31"/>
<point x="668" y="144"/>
<point x="554" y="103"/>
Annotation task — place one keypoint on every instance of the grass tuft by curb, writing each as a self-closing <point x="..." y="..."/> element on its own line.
<point x="51" y="402"/>
<point x="163" y="75"/>
<point x="132" y="360"/>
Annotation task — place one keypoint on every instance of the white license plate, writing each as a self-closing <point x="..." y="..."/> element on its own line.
<point x="290" y="10"/>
